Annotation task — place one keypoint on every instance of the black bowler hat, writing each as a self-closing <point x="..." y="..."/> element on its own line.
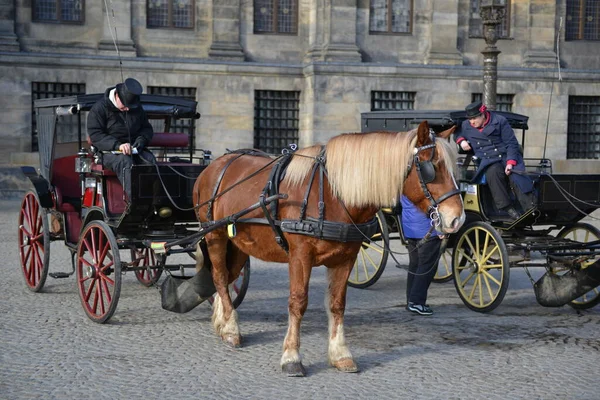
<point x="475" y="109"/>
<point x="129" y="92"/>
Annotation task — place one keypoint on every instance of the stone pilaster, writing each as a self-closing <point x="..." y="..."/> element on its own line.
<point x="332" y="35"/>
<point x="444" y="34"/>
<point x="542" y="32"/>
<point x="8" y="38"/>
<point x="117" y="23"/>
<point x="226" y="31"/>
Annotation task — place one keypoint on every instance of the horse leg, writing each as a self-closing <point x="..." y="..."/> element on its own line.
<point x="299" y="272"/>
<point x="224" y="318"/>
<point x="335" y="303"/>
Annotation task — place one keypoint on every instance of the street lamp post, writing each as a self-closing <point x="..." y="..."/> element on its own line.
<point x="492" y="13"/>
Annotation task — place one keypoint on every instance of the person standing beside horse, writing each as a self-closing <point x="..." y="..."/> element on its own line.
<point x="494" y="142"/>
<point x="423" y="256"/>
<point x="117" y="124"/>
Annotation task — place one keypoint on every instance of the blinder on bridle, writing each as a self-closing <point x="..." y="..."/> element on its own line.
<point x="426" y="173"/>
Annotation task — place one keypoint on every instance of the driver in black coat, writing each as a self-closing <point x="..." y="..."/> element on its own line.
<point x="117" y="124"/>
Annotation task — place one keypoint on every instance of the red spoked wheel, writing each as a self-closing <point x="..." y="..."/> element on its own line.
<point x="146" y="258"/>
<point x="238" y="288"/>
<point x="98" y="271"/>
<point x="34" y="242"/>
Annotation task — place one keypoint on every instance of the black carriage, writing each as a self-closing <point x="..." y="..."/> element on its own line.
<point x="479" y="257"/>
<point x="79" y="202"/>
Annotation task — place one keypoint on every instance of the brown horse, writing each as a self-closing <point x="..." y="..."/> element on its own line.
<point x="364" y="172"/>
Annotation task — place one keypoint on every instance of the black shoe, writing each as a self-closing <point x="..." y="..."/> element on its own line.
<point x="514" y="214"/>
<point x="420" y="309"/>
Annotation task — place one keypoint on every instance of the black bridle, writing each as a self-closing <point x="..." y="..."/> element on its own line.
<point x="426" y="173"/>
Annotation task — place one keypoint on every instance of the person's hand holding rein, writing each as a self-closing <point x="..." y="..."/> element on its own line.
<point x="508" y="169"/>
<point x="125" y="148"/>
<point x="465" y="145"/>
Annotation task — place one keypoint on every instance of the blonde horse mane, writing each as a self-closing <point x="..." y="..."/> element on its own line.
<point x="366" y="169"/>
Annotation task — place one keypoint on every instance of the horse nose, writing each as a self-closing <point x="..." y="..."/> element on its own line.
<point x="457" y="222"/>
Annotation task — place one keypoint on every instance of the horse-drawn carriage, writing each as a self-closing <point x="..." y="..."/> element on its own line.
<point x="79" y="202"/>
<point x="549" y="234"/>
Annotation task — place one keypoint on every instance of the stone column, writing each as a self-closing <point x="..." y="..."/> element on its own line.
<point x="542" y="32"/>
<point x="332" y="35"/>
<point x="226" y="31"/>
<point x="8" y="38"/>
<point x="117" y="22"/>
<point x="444" y="34"/>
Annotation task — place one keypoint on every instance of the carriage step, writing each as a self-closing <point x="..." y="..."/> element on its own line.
<point x="57" y="275"/>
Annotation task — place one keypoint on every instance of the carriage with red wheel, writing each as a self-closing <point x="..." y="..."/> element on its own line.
<point x="77" y="201"/>
<point x="549" y="234"/>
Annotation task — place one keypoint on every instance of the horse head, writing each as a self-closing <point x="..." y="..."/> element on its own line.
<point x="430" y="183"/>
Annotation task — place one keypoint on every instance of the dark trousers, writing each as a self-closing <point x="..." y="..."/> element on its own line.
<point x="500" y="186"/>
<point x="121" y="165"/>
<point x="422" y="266"/>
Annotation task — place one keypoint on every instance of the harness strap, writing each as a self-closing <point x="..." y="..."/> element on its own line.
<point x="310" y="182"/>
<point x="218" y="183"/>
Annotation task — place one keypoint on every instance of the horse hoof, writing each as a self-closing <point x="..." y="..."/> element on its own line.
<point x="233" y="341"/>
<point x="346" y="365"/>
<point x="293" y="369"/>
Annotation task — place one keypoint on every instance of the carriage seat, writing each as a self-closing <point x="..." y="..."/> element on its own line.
<point x="66" y="184"/>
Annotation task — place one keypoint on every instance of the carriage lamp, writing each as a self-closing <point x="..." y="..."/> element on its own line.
<point x="83" y="162"/>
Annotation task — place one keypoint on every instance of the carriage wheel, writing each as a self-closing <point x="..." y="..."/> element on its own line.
<point x="98" y="271"/>
<point x="34" y="242"/>
<point x="444" y="271"/>
<point x="372" y="257"/>
<point x="239" y="287"/>
<point x="146" y="258"/>
<point x="584" y="233"/>
<point x="481" y="267"/>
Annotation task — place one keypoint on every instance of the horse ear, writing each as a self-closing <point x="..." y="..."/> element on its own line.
<point x="423" y="134"/>
<point x="445" y="134"/>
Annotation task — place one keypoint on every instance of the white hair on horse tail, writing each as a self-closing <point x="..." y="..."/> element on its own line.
<point x="199" y="257"/>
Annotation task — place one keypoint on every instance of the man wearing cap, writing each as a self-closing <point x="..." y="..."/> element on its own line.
<point x="117" y="122"/>
<point x="494" y="142"/>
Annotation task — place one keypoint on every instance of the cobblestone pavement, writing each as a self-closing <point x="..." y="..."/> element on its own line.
<point x="51" y="350"/>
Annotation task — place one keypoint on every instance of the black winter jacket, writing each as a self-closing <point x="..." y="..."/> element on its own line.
<point x="107" y="129"/>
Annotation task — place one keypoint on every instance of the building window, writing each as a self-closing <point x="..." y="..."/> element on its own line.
<point x="59" y="11"/>
<point x="170" y="14"/>
<point x="583" y="132"/>
<point x="476" y="24"/>
<point x="381" y="101"/>
<point x="504" y="102"/>
<point x="46" y="90"/>
<point x="276" y="16"/>
<point x="275" y="119"/>
<point x="390" y="16"/>
<point x="582" y="20"/>
<point x="180" y="125"/>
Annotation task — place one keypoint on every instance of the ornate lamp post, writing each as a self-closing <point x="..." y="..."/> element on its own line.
<point x="492" y="13"/>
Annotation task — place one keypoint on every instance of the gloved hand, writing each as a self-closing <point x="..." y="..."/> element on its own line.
<point x="139" y="143"/>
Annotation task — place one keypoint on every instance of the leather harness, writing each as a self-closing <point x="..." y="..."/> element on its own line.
<point x="315" y="227"/>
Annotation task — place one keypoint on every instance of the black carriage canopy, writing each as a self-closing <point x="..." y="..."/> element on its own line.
<point x="439" y="120"/>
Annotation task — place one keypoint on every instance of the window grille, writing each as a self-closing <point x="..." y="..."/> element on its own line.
<point x="276" y="16"/>
<point x="181" y="125"/>
<point x="170" y="14"/>
<point x="582" y="20"/>
<point x="504" y="102"/>
<point x="476" y="24"/>
<point x="59" y="11"/>
<point x="46" y="90"/>
<point x="381" y="101"/>
<point x="276" y="119"/>
<point x="390" y="16"/>
<point x="583" y="132"/>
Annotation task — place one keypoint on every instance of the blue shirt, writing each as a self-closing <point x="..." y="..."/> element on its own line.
<point x="415" y="223"/>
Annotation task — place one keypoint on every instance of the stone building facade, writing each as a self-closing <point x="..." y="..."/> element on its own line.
<point x="334" y="59"/>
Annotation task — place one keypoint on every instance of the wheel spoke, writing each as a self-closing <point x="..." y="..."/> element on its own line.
<point x="490" y="276"/>
<point x="364" y="263"/>
<point x="484" y="259"/>
<point x="378" y="249"/>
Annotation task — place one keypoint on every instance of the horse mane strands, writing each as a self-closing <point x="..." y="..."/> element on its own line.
<point x="447" y="154"/>
<point x="301" y="165"/>
<point x="369" y="169"/>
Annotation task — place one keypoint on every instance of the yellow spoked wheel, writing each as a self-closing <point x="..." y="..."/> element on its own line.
<point x="444" y="271"/>
<point x="584" y="233"/>
<point x="371" y="258"/>
<point x="481" y="267"/>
